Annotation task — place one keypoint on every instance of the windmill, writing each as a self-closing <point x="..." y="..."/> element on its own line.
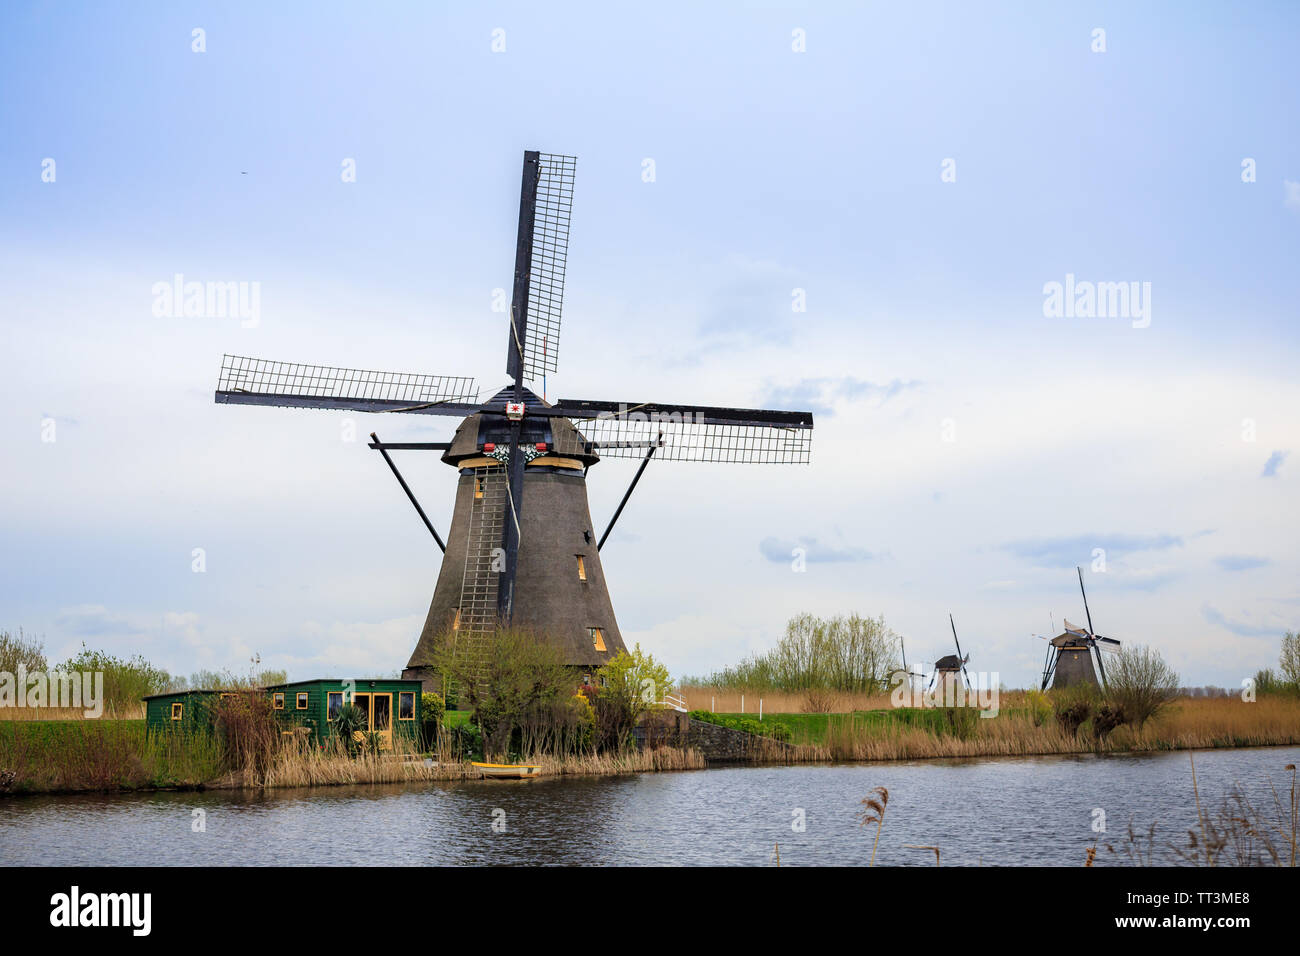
<point x="952" y="663"/>
<point x="520" y="549"/>
<point x="1070" y="654"/>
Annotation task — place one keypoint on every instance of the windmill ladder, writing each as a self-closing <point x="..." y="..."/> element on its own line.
<point x="478" y="590"/>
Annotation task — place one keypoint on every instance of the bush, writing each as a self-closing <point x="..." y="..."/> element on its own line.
<point x="125" y="681"/>
<point x="348" y="722"/>
<point x="21" y="651"/>
<point x="432" y="712"/>
<point x="630" y="684"/>
<point x="249" y="732"/>
<point x="1139" y="682"/>
<point x="1106" y="718"/>
<point x="1266" y="682"/>
<point x="779" y="732"/>
<point x="1038" y="706"/>
<point x="1073" y="707"/>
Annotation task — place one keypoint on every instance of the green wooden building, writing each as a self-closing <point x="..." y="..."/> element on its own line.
<point x="186" y="710"/>
<point x="303" y="707"/>
<point x="389" y="706"/>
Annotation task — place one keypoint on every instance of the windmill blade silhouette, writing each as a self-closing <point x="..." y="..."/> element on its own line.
<point x="1092" y="635"/>
<point x="964" y="675"/>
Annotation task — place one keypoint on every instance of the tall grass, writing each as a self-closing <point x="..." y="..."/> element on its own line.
<point x="57" y="756"/>
<point x="305" y="765"/>
<point x="1023" y="729"/>
<point x="130" y="711"/>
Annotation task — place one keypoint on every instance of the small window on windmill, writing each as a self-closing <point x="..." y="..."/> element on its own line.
<point x="478" y="487"/>
<point x="178" y="710"/>
<point x="277" y="701"/>
<point x="597" y="637"/>
<point x="302" y="700"/>
<point x="582" y="568"/>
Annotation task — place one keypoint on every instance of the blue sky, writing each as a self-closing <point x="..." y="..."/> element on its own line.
<point x="969" y="450"/>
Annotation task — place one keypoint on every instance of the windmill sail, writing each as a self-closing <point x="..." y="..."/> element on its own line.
<point x="253" y="381"/>
<point x="544" y="241"/>
<point x="691" y="432"/>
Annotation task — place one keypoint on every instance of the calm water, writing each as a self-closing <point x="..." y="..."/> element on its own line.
<point x="996" y="811"/>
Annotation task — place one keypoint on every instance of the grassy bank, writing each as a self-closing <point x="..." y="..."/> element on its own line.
<point x="1024" y="727"/>
<point x="110" y="755"/>
<point x="70" y="756"/>
<point x="76" y="755"/>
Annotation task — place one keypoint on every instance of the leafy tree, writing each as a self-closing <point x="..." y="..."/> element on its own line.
<point x="629" y="685"/>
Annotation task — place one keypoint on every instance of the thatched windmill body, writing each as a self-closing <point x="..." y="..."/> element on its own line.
<point x="522" y="548"/>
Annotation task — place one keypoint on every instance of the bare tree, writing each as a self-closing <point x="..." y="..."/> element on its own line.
<point x="1139" y="682"/>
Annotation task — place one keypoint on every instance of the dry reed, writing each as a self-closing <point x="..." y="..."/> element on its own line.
<point x="299" y="764"/>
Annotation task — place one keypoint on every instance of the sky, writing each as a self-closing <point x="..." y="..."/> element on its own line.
<point x="854" y="209"/>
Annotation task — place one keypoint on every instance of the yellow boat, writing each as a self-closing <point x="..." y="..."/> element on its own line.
<point x="507" y="771"/>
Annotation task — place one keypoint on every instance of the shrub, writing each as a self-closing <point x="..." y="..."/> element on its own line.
<point x="630" y="684"/>
<point x="1073" y="706"/>
<point x="432" y="712"/>
<point x="249" y="732"/>
<point x="1038" y="706"/>
<point x="1139" y="682"/>
<point x="1266" y="681"/>
<point x="348" y="722"/>
<point x="125" y="681"/>
<point x="779" y="732"/>
<point x="1106" y="718"/>
<point x="818" y="701"/>
<point x="21" y="650"/>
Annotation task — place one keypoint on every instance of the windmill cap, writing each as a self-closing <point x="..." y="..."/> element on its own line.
<point x="558" y="434"/>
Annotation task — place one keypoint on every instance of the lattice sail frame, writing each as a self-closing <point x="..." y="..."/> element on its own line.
<point x="549" y="252"/>
<point x="268" y="377"/>
<point x="679" y="440"/>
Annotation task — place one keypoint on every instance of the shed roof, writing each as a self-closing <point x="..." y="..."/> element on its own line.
<point x="343" y="680"/>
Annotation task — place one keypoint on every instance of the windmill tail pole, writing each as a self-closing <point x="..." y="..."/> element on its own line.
<point x="409" y="494"/>
<point x="630" y="488"/>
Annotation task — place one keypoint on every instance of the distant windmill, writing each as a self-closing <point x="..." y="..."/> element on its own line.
<point x="521" y="548"/>
<point x="952" y="663"/>
<point x="1070" y="654"/>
